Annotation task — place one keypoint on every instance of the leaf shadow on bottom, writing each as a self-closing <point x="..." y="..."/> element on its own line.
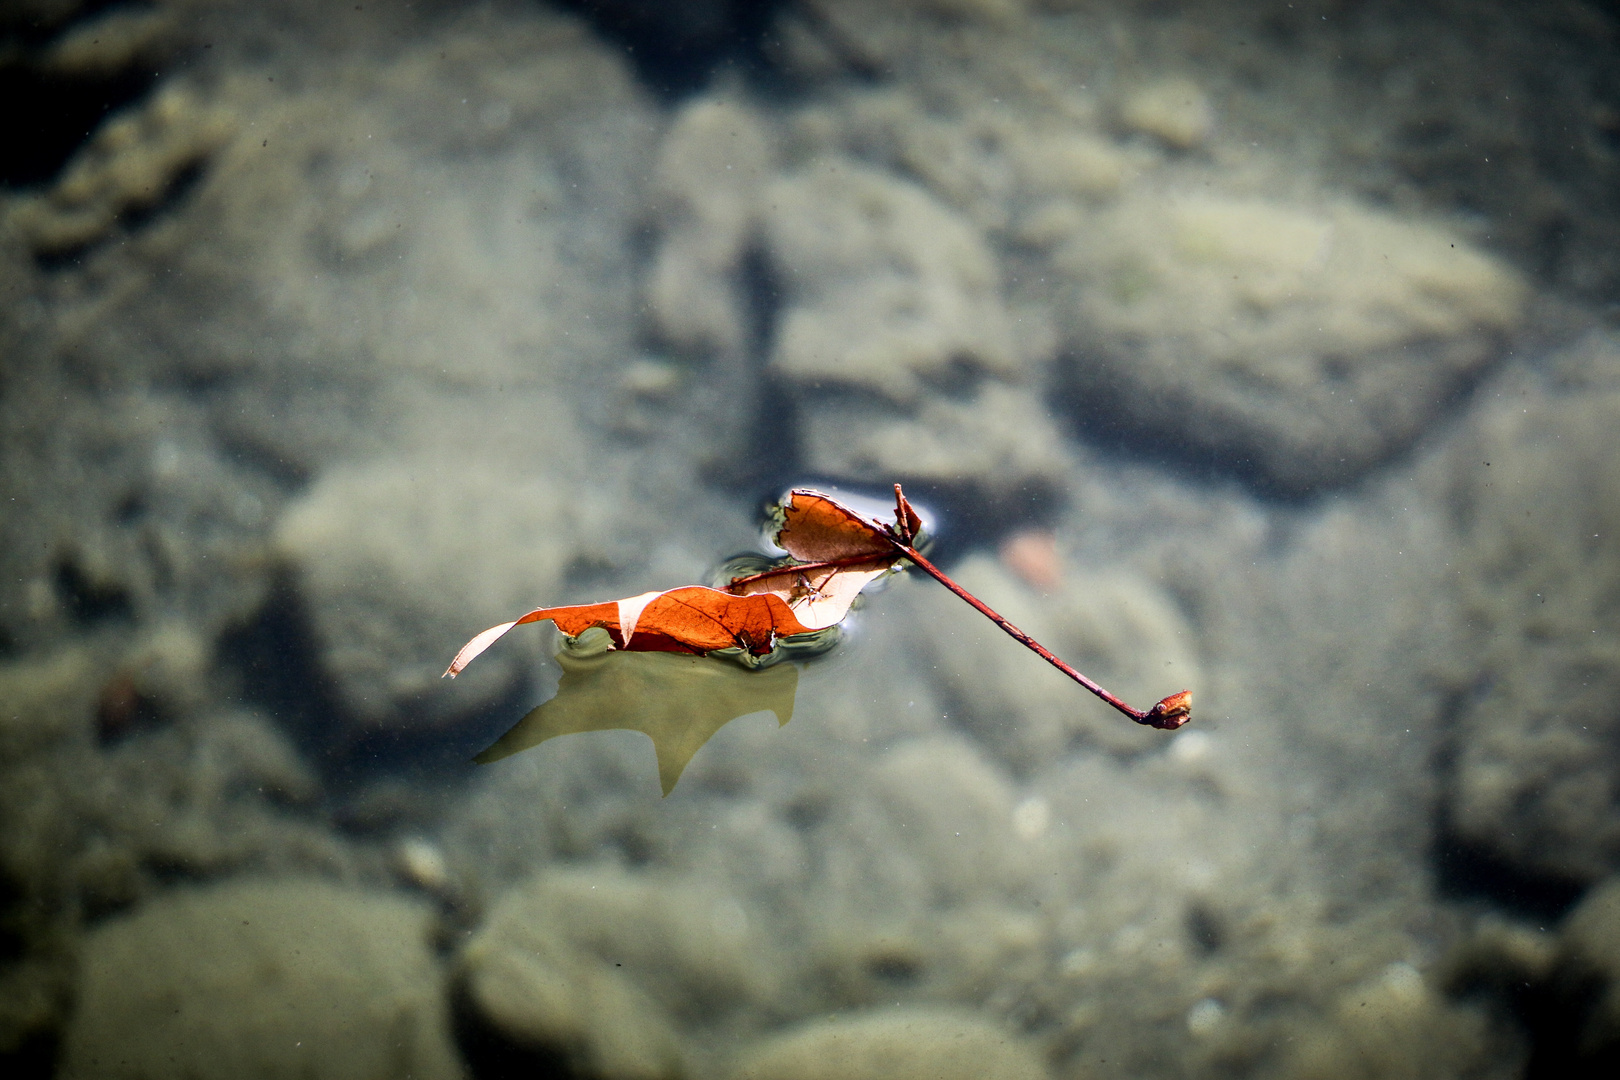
<point x="677" y="700"/>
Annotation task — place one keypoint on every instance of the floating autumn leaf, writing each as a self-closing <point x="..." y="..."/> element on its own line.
<point x="678" y="701"/>
<point x="834" y="552"/>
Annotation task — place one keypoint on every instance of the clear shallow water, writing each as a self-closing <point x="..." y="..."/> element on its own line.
<point x="1262" y="354"/>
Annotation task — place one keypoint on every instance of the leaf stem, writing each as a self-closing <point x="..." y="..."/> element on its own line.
<point x="1168" y="714"/>
<point x="737" y="583"/>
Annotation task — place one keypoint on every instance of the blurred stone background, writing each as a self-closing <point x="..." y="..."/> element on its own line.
<point x="1266" y="350"/>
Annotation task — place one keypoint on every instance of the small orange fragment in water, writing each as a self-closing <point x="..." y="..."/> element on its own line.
<point x="1033" y="556"/>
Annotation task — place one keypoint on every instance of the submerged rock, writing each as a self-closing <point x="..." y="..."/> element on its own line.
<point x="993" y="439"/>
<point x="894" y="337"/>
<point x="887" y="289"/>
<point x="1300" y="343"/>
<point x="949" y="815"/>
<point x="127" y="169"/>
<point x="708" y="184"/>
<point x="1393" y="1026"/>
<point x="1174" y="111"/>
<point x="262" y="979"/>
<point x="394" y="560"/>
<point x="894" y="1044"/>
<point x="597" y="966"/>
<point x="1532" y="491"/>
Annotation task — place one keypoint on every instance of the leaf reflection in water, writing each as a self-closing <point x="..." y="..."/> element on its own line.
<point x="677" y="700"/>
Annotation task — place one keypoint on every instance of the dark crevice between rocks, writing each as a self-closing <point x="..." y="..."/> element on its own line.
<point x="88" y="601"/>
<point x="1554" y="1013"/>
<point x="123" y="711"/>
<point x="34" y="1054"/>
<point x="977" y="517"/>
<point x="1559" y="1017"/>
<point x="131" y="219"/>
<point x="278" y="670"/>
<point x="50" y="115"/>
<point x="33" y="1057"/>
<point x="10" y="647"/>
<point x="896" y="968"/>
<point x="273" y="657"/>
<point x="175" y="191"/>
<point x="37" y="142"/>
<point x="432" y="755"/>
<point x="737" y="392"/>
<point x="633" y="845"/>
<point x="856" y="64"/>
<point x="492" y="1055"/>
<point x="289" y="477"/>
<point x="677" y="47"/>
<point x="1106" y="416"/>
<point x="762" y="290"/>
<point x="1127" y="426"/>
<point x="1554" y="1016"/>
<point x="13" y="937"/>
<point x="1468" y="872"/>
<point x="1205" y="929"/>
<point x="771" y="441"/>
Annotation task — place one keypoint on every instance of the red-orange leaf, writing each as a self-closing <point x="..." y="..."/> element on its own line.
<point x="692" y="619"/>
